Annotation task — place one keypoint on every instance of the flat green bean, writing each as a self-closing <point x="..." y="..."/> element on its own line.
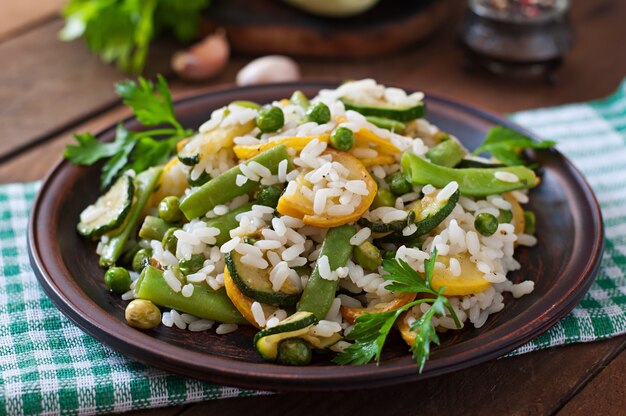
<point x="154" y="228"/>
<point x="227" y="222"/>
<point x="224" y="188"/>
<point x="448" y="153"/>
<point x="203" y="303"/>
<point x="319" y="293"/>
<point x="472" y="181"/>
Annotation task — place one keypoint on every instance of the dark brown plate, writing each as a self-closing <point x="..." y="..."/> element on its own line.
<point x="563" y="265"/>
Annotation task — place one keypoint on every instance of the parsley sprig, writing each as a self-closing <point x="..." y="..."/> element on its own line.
<point x="152" y="105"/>
<point x="371" y="329"/>
<point x="120" y="31"/>
<point x="506" y="145"/>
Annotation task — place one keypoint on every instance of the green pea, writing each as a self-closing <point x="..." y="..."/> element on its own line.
<point x="342" y="138"/>
<point x="294" y="351"/>
<point x="192" y="265"/>
<point x="169" y="209"/>
<point x="486" y="224"/>
<point x="117" y="279"/>
<point x="270" y="119"/>
<point x="368" y="256"/>
<point x="170" y="241"/>
<point x="383" y="198"/>
<point x="506" y="216"/>
<point x="141" y="259"/>
<point x="530" y="222"/>
<point x="268" y="196"/>
<point x="398" y="184"/>
<point x="318" y="113"/>
<point x="142" y="314"/>
<point x="247" y="104"/>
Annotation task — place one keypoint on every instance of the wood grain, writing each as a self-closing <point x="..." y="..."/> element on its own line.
<point x="605" y="394"/>
<point x="19" y="16"/>
<point x="533" y="384"/>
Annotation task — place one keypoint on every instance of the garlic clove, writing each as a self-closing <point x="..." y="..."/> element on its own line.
<point x="203" y="60"/>
<point x="268" y="69"/>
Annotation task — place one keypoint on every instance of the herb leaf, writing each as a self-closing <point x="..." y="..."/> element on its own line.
<point x="371" y="329"/>
<point x="120" y="31"/>
<point x="134" y="150"/>
<point x="425" y="333"/>
<point x="506" y="145"/>
<point x="152" y="106"/>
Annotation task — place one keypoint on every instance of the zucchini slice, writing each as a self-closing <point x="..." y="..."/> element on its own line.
<point x="386" y="110"/>
<point x="211" y="142"/>
<point x="109" y="211"/>
<point x="426" y="214"/>
<point x="322" y="343"/>
<point x="295" y="326"/>
<point x="256" y="284"/>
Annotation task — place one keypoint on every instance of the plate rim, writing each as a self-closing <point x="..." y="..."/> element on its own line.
<point x="130" y="342"/>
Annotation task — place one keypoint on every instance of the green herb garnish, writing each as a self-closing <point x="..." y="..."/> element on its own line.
<point x="152" y="105"/>
<point x="121" y="30"/>
<point x="371" y="329"/>
<point x="506" y="145"/>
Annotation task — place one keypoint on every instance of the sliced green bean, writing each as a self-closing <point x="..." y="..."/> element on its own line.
<point x="472" y="181"/>
<point x="384" y="198"/>
<point x="224" y="188"/>
<point x="145" y="184"/>
<point x="227" y="222"/>
<point x="386" y="123"/>
<point x="448" y="153"/>
<point x="298" y="98"/>
<point x="319" y="293"/>
<point x="154" y="228"/>
<point x="203" y="303"/>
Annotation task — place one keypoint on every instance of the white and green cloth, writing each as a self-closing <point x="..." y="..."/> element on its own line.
<point x="48" y="365"/>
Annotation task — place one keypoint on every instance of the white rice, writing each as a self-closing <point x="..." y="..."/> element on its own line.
<point x="360" y="237"/>
<point x="506" y="177"/>
<point x="223" y="329"/>
<point x="258" y="314"/>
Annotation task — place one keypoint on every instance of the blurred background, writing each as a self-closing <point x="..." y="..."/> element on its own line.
<point x="60" y="58"/>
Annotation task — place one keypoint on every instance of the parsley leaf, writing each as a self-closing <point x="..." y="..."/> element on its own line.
<point x="371" y="329"/>
<point x="425" y="332"/>
<point x="506" y="145"/>
<point x="152" y="104"/>
<point x="120" y="31"/>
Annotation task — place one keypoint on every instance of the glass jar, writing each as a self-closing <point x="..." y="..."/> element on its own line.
<point x="517" y="37"/>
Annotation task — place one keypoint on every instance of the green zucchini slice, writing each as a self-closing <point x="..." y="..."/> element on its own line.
<point x="429" y="213"/>
<point x="321" y="343"/>
<point x="426" y="214"/>
<point x="109" y="211"/>
<point x="386" y="110"/>
<point x="256" y="283"/>
<point x="297" y="325"/>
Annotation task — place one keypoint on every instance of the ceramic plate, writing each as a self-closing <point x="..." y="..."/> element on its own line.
<point x="562" y="265"/>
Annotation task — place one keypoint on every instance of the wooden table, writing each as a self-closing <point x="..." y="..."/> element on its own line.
<point x="50" y="89"/>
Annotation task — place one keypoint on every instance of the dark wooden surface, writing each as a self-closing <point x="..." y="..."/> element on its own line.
<point x="49" y="89"/>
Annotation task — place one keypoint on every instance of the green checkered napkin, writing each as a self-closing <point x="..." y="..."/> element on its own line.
<point x="48" y="365"/>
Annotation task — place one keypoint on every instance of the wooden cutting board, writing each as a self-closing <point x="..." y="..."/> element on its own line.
<point x="261" y="27"/>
